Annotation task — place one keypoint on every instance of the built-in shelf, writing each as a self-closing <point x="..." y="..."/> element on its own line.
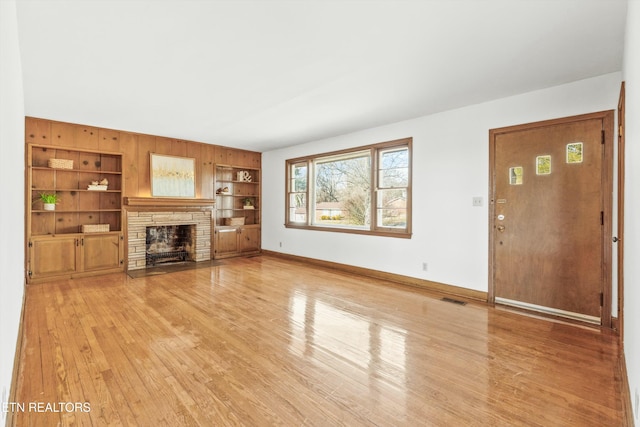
<point x="60" y="244"/>
<point x="237" y="230"/>
<point x="104" y="172"/>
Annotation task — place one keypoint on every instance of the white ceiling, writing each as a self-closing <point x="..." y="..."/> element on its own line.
<point x="266" y="74"/>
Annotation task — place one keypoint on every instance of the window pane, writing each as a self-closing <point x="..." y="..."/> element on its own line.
<point x="298" y="207"/>
<point x="298" y="177"/>
<point x="393" y="168"/>
<point x="515" y="175"/>
<point x="392" y="208"/>
<point x="397" y="157"/>
<point x="543" y="165"/>
<point x="342" y="191"/>
<point x="574" y="152"/>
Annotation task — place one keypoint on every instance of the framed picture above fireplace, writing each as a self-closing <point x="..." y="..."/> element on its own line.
<point x="172" y="176"/>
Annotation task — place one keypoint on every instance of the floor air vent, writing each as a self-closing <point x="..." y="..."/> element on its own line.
<point x="455" y="301"/>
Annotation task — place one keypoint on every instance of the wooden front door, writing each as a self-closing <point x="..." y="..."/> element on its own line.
<point x="550" y="213"/>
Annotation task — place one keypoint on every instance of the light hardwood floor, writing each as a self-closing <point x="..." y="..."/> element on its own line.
<point x="263" y="341"/>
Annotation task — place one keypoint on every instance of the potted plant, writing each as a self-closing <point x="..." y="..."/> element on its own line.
<point x="49" y="201"/>
<point x="247" y="203"/>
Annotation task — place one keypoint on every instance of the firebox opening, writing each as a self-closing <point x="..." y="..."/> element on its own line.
<point x="170" y="243"/>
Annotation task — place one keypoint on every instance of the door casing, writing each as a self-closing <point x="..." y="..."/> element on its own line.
<point x="620" y="231"/>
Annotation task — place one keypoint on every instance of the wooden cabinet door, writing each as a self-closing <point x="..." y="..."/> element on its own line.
<point x="226" y="242"/>
<point x="249" y="239"/>
<point x="101" y="251"/>
<point x="52" y="256"/>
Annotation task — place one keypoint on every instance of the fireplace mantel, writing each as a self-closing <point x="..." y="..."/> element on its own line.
<point x="166" y="202"/>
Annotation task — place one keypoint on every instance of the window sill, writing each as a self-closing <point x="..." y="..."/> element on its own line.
<point x="382" y="233"/>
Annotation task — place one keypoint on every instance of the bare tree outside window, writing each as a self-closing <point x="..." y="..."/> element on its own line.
<point x="342" y="191"/>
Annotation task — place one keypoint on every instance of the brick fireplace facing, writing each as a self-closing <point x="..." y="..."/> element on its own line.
<point x="141" y="217"/>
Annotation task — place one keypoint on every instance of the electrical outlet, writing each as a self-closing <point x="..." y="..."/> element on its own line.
<point x="425" y="266"/>
<point x="476" y="201"/>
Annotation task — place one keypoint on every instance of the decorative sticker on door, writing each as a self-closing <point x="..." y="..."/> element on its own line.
<point x="574" y="152"/>
<point x="543" y="165"/>
<point x="515" y="175"/>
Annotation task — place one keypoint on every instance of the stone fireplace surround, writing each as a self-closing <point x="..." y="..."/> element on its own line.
<point x="143" y="212"/>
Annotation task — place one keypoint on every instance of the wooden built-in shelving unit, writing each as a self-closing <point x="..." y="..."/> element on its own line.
<point x="56" y="245"/>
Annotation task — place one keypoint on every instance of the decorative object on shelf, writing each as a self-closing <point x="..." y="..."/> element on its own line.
<point x="247" y="203"/>
<point x="172" y="176"/>
<point x="243" y="176"/>
<point x="234" y="221"/>
<point x="95" y="228"/>
<point x="49" y="200"/>
<point x="99" y="185"/>
<point x="60" y="164"/>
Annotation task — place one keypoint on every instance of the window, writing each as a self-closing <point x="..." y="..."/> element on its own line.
<point x="364" y="190"/>
<point x="574" y="152"/>
<point x="298" y="193"/>
<point x="543" y="165"/>
<point x="515" y="175"/>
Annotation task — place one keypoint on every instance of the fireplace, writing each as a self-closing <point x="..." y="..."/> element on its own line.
<point x="167" y="230"/>
<point x="169" y="243"/>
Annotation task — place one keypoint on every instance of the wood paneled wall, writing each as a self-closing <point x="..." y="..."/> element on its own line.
<point x="136" y="149"/>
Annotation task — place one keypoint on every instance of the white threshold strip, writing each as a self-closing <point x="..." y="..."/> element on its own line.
<point x="548" y="310"/>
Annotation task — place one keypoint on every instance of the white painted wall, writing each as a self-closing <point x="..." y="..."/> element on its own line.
<point x="450" y="166"/>
<point x="12" y="172"/>
<point x="631" y="74"/>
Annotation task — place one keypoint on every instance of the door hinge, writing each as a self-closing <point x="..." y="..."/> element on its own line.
<point x="30" y="273"/>
<point x="601" y="299"/>
<point x="601" y="217"/>
<point x="30" y="244"/>
<point x="602" y="141"/>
